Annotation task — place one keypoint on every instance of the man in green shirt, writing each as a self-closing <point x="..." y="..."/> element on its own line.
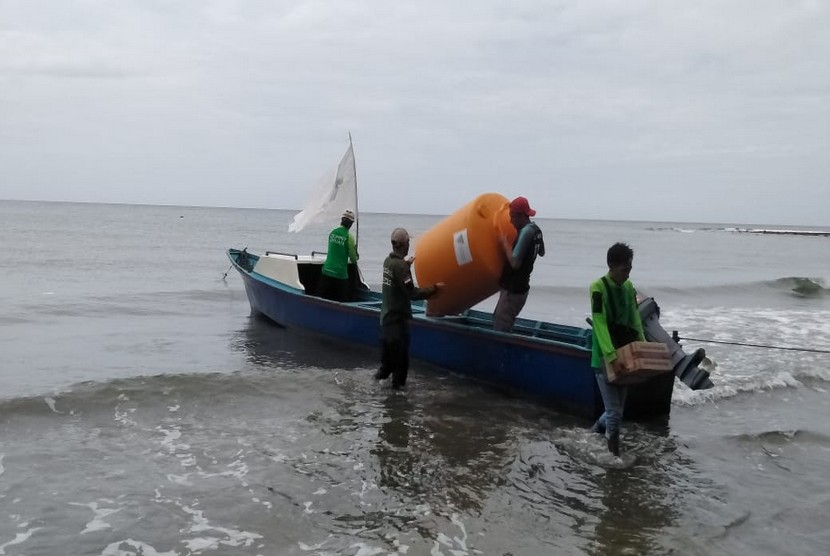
<point x="334" y="278"/>
<point x="396" y="309"/>
<point x="616" y="322"/>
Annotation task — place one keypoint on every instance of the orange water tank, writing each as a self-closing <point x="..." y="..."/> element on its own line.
<point x="464" y="252"/>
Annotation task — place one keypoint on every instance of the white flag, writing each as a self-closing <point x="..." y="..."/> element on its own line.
<point x="334" y="194"/>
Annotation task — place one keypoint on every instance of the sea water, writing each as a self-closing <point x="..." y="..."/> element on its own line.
<point x="144" y="411"/>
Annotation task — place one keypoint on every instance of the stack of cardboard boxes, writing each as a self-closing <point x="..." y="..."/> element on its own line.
<point x="642" y="361"/>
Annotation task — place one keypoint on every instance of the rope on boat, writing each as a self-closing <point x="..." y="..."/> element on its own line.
<point x="787" y="348"/>
<point x="244" y="251"/>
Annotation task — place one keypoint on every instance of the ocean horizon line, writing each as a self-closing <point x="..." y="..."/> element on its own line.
<point x="821" y="227"/>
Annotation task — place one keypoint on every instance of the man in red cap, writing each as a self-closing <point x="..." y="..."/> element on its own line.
<point x="514" y="284"/>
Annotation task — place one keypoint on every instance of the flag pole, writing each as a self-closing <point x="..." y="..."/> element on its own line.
<point x="356" y="213"/>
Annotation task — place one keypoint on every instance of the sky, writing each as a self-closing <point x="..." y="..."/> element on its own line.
<point x="704" y="111"/>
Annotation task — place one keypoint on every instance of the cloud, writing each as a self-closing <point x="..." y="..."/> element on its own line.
<point x="246" y="103"/>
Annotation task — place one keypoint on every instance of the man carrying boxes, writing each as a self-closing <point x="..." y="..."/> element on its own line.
<point x="620" y="355"/>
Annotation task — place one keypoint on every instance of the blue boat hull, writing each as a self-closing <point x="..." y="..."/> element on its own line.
<point x="556" y="373"/>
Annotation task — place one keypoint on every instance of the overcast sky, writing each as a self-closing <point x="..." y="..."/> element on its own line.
<point x="712" y="111"/>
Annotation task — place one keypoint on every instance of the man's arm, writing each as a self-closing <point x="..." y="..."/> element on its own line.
<point x="516" y="255"/>
<point x="635" y="314"/>
<point x="352" y="246"/>
<point x="600" y="324"/>
<point x="403" y="275"/>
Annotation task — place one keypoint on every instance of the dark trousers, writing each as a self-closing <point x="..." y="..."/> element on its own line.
<point x="333" y="288"/>
<point x="508" y="308"/>
<point x="394" y="356"/>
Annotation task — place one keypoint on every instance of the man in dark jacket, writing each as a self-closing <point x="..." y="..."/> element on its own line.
<point x="399" y="291"/>
<point x="514" y="284"/>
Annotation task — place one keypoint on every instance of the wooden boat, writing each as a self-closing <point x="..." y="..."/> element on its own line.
<point x="545" y="361"/>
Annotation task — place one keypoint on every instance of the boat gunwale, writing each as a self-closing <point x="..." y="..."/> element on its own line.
<point x="420" y="319"/>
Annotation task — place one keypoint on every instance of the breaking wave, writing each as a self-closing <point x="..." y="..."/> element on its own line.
<point x="742" y="230"/>
<point x="800" y="286"/>
<point x="779" y="231"/>
<point x="784" y="437"/>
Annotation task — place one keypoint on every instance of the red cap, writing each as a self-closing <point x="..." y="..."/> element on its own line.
<point x="520" y="205"/>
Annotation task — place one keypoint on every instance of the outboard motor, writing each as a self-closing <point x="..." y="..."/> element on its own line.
<point x="685" y="366"/>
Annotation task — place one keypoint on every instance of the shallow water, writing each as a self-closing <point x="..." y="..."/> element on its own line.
<point x="143" y="411"/>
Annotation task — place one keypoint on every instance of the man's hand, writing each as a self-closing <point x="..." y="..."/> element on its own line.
<point x="619" y="366"/>
<point x="505" y="244"/>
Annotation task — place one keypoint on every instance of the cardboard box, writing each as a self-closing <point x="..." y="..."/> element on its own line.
<point x="643" y="360"/>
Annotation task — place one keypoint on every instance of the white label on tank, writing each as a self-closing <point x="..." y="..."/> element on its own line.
<point x="462" y="248"/>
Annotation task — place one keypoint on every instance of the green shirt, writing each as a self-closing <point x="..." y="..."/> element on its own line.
<point x="625" y="310"/>
<point x="341" y="249"/>
<point x="398" y="291"/>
